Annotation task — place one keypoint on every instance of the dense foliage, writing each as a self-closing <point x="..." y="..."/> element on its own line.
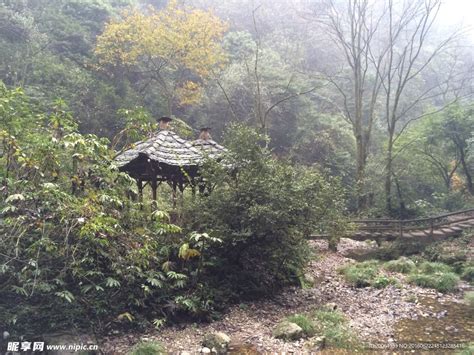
<point x="177" y="48"/>
<point x="71" y="240"/>
<point x="75" y="249"/>
<point x="317" y="130"/>
<point x="262" y="213"/>
<point x="328" y="324"/>
<point x="212" y="63"/>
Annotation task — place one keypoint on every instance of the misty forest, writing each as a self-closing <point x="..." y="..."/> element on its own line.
<point x="242" y="177"/>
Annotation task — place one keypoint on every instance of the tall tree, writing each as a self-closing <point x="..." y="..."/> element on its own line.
<point x="352" y="30"/>
<point x="387" y="50"/>
<point x="175" y="47"/>
<point x="401" y="62"/>
<point x="458" y="128"/>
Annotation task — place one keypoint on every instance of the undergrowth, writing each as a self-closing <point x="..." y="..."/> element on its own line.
<point x="334" y="327"/>
<point x="443" y="282"/>
<point x="331" y="325"/>
<point x="434" y="275"/>
<point x="148" y="348"/>
<point x="361" y="274"/>
<point x="468" y="274"/>
<point x="304" y="323"/>
<point x="402" y="265"/>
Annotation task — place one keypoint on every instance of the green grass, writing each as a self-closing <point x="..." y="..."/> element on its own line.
<point x="435" y="275"/>
<point x="431" y="268"/>
<point x="469" y="350"/>
<point x="148" y="348"/>
<point x="449" y="252"/>
<point x="361" y="274"/>
<point x="365" y="274"/>
<point x="304" y="323"/>
<point x="333" y="325"/>
<point x="402" y="265"/>
<point x="383" y="281"/>
<point x="441" y="281"/>
<point x="468" y="273"/>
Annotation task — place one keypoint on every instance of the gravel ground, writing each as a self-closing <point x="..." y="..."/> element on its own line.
<point x="372" y="313"/>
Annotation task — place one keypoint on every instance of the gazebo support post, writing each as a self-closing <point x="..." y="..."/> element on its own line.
<point x="140" y="190"/>
<point x="154" y="186"/>
<point x="174" y="185"/>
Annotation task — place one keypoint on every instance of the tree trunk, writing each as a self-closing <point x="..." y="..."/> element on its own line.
<point x="388" y="173"/>
<point x="467" y="173"/>
<point x="360" y="171"/>
<point x="401" y="200"/>
<point x="169" y="104"/>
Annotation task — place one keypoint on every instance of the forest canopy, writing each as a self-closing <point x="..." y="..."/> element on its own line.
<point x="295" y="71"/>
<point x="329" y="110"/>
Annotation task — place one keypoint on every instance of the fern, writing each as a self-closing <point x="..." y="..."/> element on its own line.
<point x="110" y="282"/>
<point x="66" y="295"/>
<point x="154" y="282"/>
<point x="158" y="323"/>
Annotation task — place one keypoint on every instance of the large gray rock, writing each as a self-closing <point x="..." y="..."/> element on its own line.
<point x="287" y="331"/>
<point x="218" y="341"/>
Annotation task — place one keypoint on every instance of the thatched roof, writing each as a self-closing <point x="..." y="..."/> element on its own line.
<point x="164" y="147"/>
<point x="209" y="148"/>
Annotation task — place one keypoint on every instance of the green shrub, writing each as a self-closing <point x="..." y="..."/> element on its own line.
<point x="262" y="215"/>
<point x="147" y="348"/>
<point x="459" y="266"/>
<point x="402" y="265"/>
<point x="435" y="275"/>
<point x="333" y="325"/>
<point x="68" y="215"/>
<point x="434" y="267"/>
<point x="78" y="251"/>
<point x="441" y="281"/>
<point x="383" y="281"/>
<point x="451" y="252"/>
<point x="468" y="274"/>
<point x="361" y="274"/>
<point x="329" y="317"/>
<point x="304" y="323"/>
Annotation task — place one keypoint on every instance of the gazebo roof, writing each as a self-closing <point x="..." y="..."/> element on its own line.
<point x="164" y="147"/>
<point x="209" y="148"/>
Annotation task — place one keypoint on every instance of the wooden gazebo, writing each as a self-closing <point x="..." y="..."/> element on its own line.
<point x="208" y="147"/>
<point x="163" y="157"/>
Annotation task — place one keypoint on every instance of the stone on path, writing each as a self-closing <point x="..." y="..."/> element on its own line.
<point x="287" y="331"/>
<point x="218" y="341"/>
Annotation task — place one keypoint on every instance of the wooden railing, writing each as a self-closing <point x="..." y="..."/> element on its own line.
<point x="409" y="225"/>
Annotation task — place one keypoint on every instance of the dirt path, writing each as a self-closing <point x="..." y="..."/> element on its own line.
<point x="372" y="313"/>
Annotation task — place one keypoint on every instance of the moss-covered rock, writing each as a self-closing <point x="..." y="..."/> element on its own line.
<point x="218" y="341"/>
<point x="287" y="330"/>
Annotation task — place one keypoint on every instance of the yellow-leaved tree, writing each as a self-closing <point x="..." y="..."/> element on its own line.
<point x="176" y="47"/>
